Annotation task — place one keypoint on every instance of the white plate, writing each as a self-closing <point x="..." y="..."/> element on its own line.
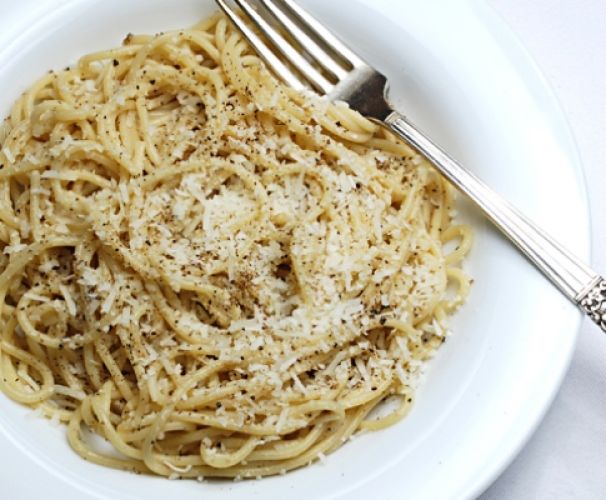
<point x="459" y="73"/>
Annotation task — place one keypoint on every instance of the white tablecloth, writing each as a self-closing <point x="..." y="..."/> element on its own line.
<point x="566" y="457"/>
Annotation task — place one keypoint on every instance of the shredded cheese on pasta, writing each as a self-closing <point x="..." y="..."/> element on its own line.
<point x="217" y="274"/>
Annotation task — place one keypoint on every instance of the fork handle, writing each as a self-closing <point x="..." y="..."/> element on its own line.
<point x="583" y="286"/>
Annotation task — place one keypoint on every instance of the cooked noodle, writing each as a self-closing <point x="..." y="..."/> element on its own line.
<point x="217" y="274"/>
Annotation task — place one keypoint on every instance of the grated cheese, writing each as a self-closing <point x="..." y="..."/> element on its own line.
<point x="69" y="301"/>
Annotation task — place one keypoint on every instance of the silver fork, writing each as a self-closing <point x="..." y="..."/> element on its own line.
<point x="340" y="74"/>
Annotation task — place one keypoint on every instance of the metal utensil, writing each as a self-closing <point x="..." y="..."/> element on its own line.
<point x="328" y="66"/>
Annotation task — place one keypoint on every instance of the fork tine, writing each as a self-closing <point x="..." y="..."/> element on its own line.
<point x="265" y="52"/>
<point x="287" y="50"/>
<point x="323" y="34"/>
<point x="327" y="61"/>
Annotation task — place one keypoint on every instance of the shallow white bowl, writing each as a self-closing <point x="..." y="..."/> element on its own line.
<point x="458" y="72"/>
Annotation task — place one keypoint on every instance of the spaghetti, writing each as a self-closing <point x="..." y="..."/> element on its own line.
<point x="217" y="274"/>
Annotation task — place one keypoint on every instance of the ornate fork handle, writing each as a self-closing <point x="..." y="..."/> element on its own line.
<point x="594" y="303"/>
<point x="577" y="281"/>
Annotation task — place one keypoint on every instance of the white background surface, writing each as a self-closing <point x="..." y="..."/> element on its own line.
<point x="566" y="457"/>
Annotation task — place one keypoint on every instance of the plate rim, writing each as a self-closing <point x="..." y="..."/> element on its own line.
<point x="489" y="13"/>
